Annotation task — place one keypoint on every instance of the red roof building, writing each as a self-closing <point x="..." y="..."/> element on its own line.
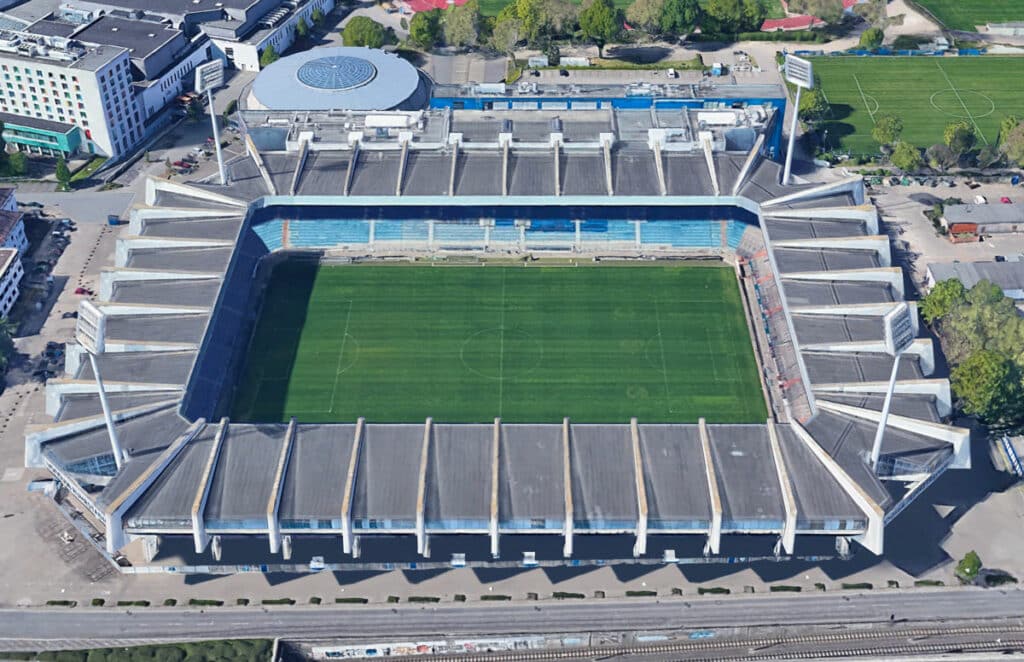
<point x="791" y="23"/>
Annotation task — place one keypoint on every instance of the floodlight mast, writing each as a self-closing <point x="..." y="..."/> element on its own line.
<point x="799" y="72"/>
<point x="210" y="75"/>
<point x="90" y="333"/>
<point x="899" y="335"/>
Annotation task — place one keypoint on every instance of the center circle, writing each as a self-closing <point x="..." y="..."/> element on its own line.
<point x="953" y="103"/>
<point x="336" y="72"/>
<point x="501" y="354"/>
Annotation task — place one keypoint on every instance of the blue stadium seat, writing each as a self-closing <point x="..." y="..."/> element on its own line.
<point x="734" y="233"/>
<point x="400" y="231"/>
<point x="327" y="232"/>
<point x="270" y="233"/>
<point x="458" y="233"/>
<point x="688" y="234"/>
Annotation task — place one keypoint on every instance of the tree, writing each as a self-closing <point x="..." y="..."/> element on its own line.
<point x="302" y="30"/>
<point x="600" y="22"/>
<point x="462" y="24"/>
<point x="871" y="38"/>
<point x="269" y="56"/>
<point x="425" y="29"/>
<point x="1006" y="125"/>
<point x="646" y="15"/>
<point x="7" y="331"/>
<point x="540" y="20"/>
<point x="17" y="164"/>
<point x="553" y="53"/>
<point x="725" y="16"/>
<point x="813" y="104"/>
<point x="887" y="129"/>
<point x="506" y="35"/>
<point x="940" y="157"/>
<point x="906" y="157"/>
<point x="63" y="174"/>
<point x="1012" y="143"/>
<point x="968" y="568"/>
<point x="363" y="31"/>
<point x="989" y="156"/>
<point x="989" y="386"/>
<point x="317" y="16"/>
<point x="959" y="137"/>
<point x="944" y="298"/>
<point x="679" y="17"/>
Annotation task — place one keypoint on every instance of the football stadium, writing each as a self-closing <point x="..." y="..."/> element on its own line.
<point x="528" y="325"/>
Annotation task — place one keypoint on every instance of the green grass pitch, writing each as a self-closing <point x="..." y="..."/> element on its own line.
<point x="967" y="14"/>
<point x="528" y="344"/>
<point x="927" y="93"/>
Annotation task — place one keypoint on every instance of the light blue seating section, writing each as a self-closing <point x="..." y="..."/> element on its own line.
<point x="327" y="232"/>
<point x="458" y="233"/>
<point x="687" y="234"/>
<point x="734" y="233"/>
<point x="594" y="231"/>
<point x="505" y="231"/>
<point x="551" y="231"/>
<point x="400" y="230"/>
<point x="271" y="234"/>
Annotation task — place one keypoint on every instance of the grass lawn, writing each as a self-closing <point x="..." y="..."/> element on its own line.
<point x="927" y="93"/>
<point x="966" y="14"/>
<point x="528" y="344"/>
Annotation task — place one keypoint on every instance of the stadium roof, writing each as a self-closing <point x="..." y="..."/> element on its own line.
<point x="337" y="77"/>
<point x="822" y="258"/>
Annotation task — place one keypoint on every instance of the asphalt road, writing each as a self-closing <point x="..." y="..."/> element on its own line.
<point x="611" y="615"/>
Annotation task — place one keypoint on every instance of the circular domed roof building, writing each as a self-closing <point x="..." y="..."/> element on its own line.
<point x="338" y="78"/>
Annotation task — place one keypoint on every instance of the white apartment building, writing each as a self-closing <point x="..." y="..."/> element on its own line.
<point x="11" y="273"/>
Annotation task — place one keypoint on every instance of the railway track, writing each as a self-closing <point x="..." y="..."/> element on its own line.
<point x="749" y="649"/>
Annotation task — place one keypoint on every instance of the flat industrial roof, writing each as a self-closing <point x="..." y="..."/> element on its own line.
<point x="141" y="38"/>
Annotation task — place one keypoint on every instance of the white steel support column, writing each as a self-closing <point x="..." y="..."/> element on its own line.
<point x="108" y="417"/>
<point x="216" y="140"/>
<point x="786" y="487"/>
<point x="637" y="238"/>
<point x="567" y="488"/>
<point x="715" y="529"/>
<point x="876" y="447"/>
<point x="578" y="240"/>
<point x="421" y="490"/>
<point x="495" y="491"/>
<point x="199" y="536"/>
<point x="274" y="502"/>
<point x="640" y="548"/>
<point x="430" y="235"/>
<point x="792" y="137"/>
<point x="350" y="486"/>
<point x="373" y="233"/>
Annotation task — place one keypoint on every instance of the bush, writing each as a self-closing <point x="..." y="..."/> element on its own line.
<point x="195" y="602"/>
<point x="170" y="602"/>
<point x="858" y="586"/>
<point x="641" y="594"/>
<point x="459" y="597"/>
<point x="805" y="36"/>
<point x="819" y="586"/>
<point x="892" y="583"/>
<point x="713" y="590"/>
<point x="314" y="600"/>
<point x="350" y="601"/>
<point x="999" y="579"/>
<point x="929" y="582"/>
<point x="242" y="602"/>
<point x="494" y="596"/>
<point x="968" y="567"/>
<point x="392" y="599"/>
<point x="61" y="603"/>
<point x="98" y="602"/>
<point x="423" y="598"/>
<point x="278" y="601"/>
<point x="564" y="595"/>
<point x="871" y="38"/>
<point x="783" y="588"/>
<point x="133" y="603"/>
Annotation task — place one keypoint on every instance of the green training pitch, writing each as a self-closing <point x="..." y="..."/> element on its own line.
<point x="528" y="344"/>
<point x="967" y="14"/>
<point x="927" y="93"/>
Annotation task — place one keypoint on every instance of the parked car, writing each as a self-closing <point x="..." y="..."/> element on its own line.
<point x="980" y="200"/>
<point x="84" y="291"/>
<point x="1005" y="200"/>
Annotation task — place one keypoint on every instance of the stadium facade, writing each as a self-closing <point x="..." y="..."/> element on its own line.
<point x="652" y="177"/>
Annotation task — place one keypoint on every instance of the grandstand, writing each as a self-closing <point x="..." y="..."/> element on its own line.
<point x="815" y="276"/>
